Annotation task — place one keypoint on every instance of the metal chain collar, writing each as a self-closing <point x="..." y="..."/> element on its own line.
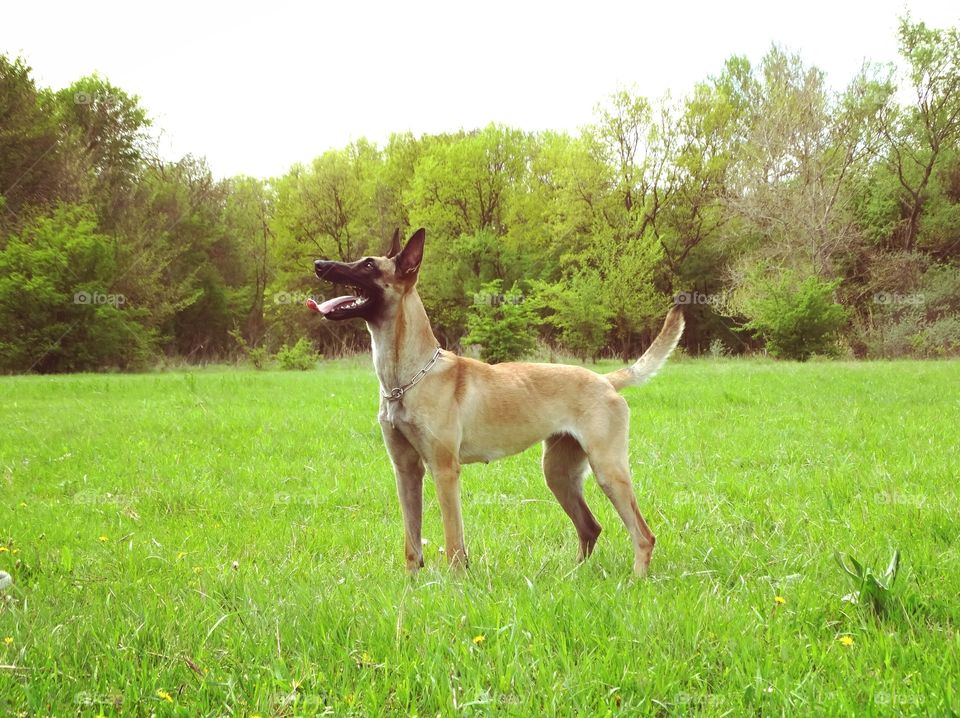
<point x="396" y="394"/>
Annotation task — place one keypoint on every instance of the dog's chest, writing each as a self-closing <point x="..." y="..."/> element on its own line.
<point x="413" y="430"/>
<point x="395" y="413"/>
<point x="401" y="419"/>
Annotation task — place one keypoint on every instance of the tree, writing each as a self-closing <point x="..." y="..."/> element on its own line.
<point x="802" y="144"/>
<point x="329" y="209"/>
<point x="707" y="148"/>
<point x="104" y="135"/>
<point x="462" y="185"/>
<point x="249" y="205"/>
<point x="920" y="134"/>
<point x="463" y="189"/>
<point x="30" y="165"/>
<point x="638" y="142"/>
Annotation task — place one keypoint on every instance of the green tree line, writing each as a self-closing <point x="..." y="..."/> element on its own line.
<point x="789" y="216"/>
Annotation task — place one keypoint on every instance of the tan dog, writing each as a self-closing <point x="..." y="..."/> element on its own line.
<point x="441" y="410"/>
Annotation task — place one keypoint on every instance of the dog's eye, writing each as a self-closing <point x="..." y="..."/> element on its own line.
<point x="369" y="264"/>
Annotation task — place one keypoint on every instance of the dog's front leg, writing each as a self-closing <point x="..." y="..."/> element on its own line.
<point x="446" y="477"/>
<point x="408" y="468"/>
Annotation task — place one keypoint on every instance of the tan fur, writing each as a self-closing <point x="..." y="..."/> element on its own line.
<point x="465" y="411"/>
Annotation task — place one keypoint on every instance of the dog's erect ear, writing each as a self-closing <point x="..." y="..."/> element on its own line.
<point x="395" y="245"/>
<point x="408" y="262"/>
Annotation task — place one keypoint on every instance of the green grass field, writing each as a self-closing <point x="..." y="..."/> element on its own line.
<point x="229" y="543"/>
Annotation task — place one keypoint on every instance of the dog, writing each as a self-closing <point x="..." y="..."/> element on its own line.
<point x="440" y="411"/>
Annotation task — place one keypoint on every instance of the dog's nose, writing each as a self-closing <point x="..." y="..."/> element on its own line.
<point x="327" y="269"/>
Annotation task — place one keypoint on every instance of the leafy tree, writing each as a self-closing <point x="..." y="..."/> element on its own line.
<point x="628" y="290"/>
<point x="918" y="135"/>
<point x="463" y="189"/>
<point x="462" y="186"/>
<point x="104" y="134"/>
<point x="247" y="212"/>
<point x="30" y="164"/>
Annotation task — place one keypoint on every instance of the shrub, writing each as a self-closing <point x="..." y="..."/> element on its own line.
<point x="501" y="323"/>
<point x="940" y="338"/>
<point x="917" y="318"/>
<point x="796" y="318"/>
<point x="301" y="356"/>
<point x="718" y="349"/>
<point x="259" y="357"/>
<point x="58" y="311"/>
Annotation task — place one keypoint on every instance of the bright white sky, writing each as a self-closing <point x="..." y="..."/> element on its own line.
<point x="257" y="87"/>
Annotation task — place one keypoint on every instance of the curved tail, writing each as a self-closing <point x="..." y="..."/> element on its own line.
<point x="655" y="357"/>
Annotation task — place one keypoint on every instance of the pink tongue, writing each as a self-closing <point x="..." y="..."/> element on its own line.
<point x="332" y="304"/>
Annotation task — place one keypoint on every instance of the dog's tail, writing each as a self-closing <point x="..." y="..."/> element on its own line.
<point x="655" y="357"/>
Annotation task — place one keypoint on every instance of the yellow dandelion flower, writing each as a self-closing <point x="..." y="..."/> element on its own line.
<point x="479" y="639"/>
<point x="846" y="641"/>
<point x="366" y="658"/>
<point x="15" y="551"/>
<point x="4" y="549"/>
<point x="197" y="569"/>
<point x="779" y="600"/>
<point x="103" y="539"/>
<point x="180" y="555"/>
<point x="164" y="696"/>
<point x="8" y="640"/>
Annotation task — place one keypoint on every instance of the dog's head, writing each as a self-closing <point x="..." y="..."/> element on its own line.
<point x="378" y="282"/>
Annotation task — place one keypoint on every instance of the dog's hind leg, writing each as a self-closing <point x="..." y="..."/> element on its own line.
<point x="607" y="454"/>
<point x="564" y="466"/>
<point x="614" y="478"/>
<point x="408" y="468"/>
